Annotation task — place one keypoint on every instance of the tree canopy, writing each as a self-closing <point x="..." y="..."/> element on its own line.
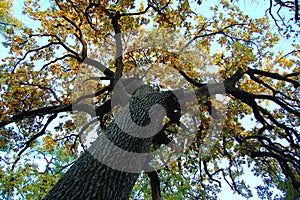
<point x="6" y="17"/>
<point x="61" y="77"/>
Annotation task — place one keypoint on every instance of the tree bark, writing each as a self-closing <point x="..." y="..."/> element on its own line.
<point x="91" y="180"/>
<point x="90" y="177"/>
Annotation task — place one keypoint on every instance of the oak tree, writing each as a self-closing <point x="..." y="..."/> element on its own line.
<point x="75" y="71"/>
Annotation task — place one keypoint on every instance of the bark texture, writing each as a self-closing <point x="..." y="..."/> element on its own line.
<point x="89" y="178"/>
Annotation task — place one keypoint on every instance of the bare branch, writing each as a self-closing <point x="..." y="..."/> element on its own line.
<point x="44" y="88"/>
<point x="33" y="138"/>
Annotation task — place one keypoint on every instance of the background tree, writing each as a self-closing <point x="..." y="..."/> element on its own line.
<point x="38" y="124"/>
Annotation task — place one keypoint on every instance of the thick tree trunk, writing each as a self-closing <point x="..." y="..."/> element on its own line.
<point x="90" y="177"/>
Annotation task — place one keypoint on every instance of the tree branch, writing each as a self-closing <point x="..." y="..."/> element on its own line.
<point x="155" y="185"/>
<point x="33" y="138"/>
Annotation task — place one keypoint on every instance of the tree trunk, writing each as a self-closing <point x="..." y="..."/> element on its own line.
<point x="89" y="179"/>
<point x="92" y="176"/>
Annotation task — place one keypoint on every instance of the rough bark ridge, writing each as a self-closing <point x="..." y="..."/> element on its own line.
<point x="90" y="179"/>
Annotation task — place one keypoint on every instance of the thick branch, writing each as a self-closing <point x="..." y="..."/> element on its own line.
<point x="37" y="112"/>
<point x="76" y="105"/>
